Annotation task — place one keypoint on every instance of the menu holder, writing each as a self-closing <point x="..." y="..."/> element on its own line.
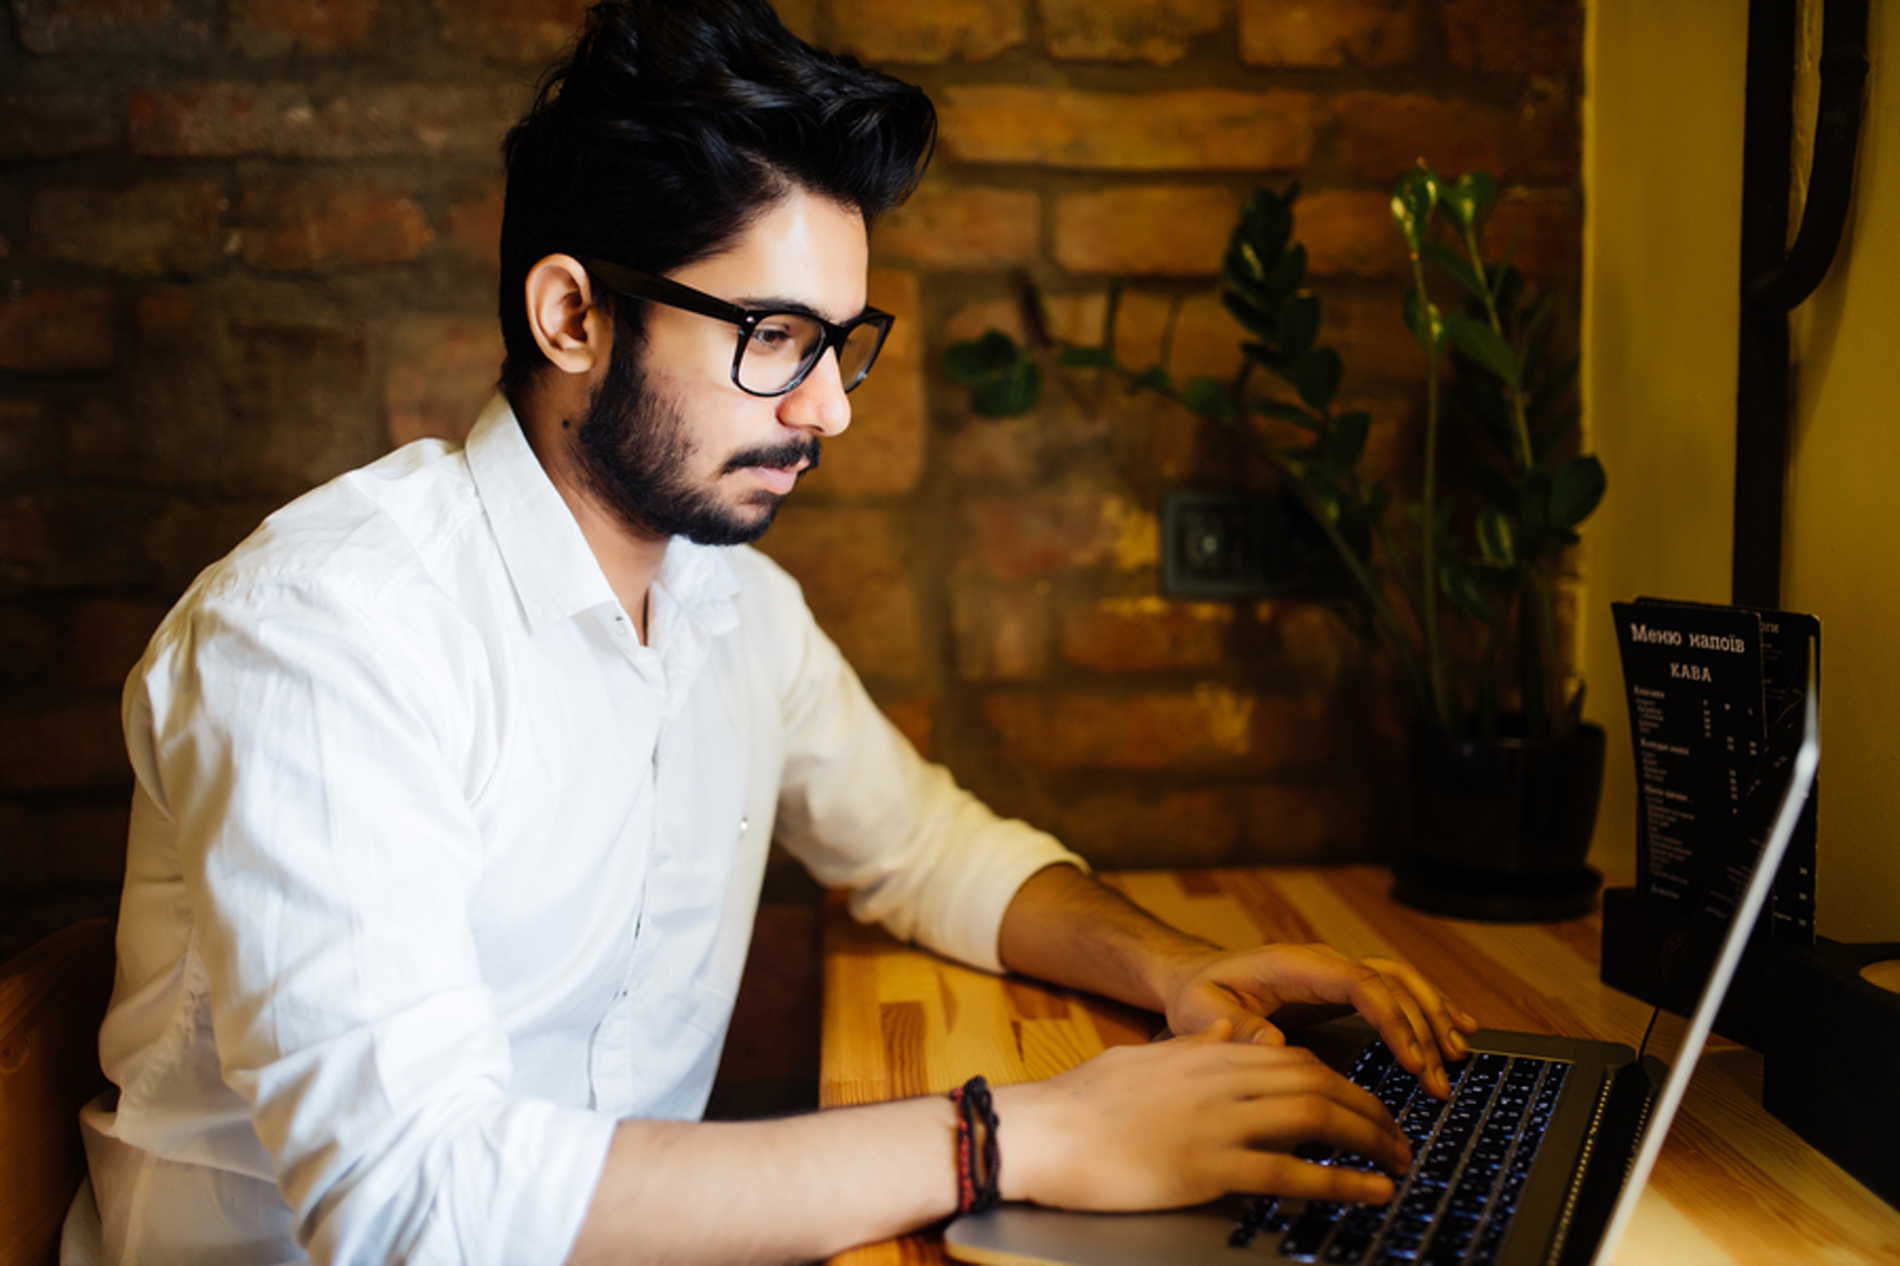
<point x="1707" y="685"/>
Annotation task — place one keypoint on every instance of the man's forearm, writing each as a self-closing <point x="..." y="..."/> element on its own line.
<point x="1068" y="929"/>
<point x="797" y="1189"/>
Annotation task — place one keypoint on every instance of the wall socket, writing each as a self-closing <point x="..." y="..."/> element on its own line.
<point x="1240" y="545"/>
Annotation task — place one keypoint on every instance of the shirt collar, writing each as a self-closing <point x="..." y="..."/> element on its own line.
<point x="554" y="571"/>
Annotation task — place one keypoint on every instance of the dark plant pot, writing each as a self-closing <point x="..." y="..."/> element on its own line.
<point x="1501" y="826"/>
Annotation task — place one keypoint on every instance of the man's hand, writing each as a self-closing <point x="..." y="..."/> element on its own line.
<point x="1257" y="991"/>
<point x="1184" y="1121"/>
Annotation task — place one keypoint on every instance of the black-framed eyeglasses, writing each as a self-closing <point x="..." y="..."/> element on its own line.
<point x="777" y="348"/>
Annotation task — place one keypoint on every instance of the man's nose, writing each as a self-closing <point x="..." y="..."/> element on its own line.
<point x="818" y="404"/>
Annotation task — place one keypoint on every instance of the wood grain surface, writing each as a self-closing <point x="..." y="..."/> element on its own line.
<point x="1733" y="1185"/>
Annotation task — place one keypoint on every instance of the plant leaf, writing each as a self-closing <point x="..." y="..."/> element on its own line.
<point x="972" y="363"/>
<point x="1014" y="392"/>
<point x="1470" y="198"/>
<point x="1426" y="323"/>
<point x="1316" y="375"/>
<point x="1087" y="358"/>
<point x="1349" y="436"/>
<point x="1576" y="491"/>
<point x="1298" y="325"/>
<point x="1208" y="397"/>
<point x="1153" y="378"/>
<point x="1255" y="319"/>
<point x="1497" y="541"/>
<point x="1478" y="341"/>
<point x="1454" y="263"/>
<point x="1287" y="275"/>
<point x="1496" y="487"/>
<point x="1284" y="412"/>
<point x="1413" y="203"/>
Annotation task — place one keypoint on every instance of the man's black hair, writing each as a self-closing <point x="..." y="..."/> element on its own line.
<point x="675" y="124"/>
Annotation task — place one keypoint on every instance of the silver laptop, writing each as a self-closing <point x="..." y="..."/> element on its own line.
<point x="1539" y="1156"/>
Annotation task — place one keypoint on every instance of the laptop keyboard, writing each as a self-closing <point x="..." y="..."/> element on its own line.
<point x="1471" y="1156"/>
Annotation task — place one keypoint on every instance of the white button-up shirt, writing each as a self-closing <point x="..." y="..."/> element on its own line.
<point x="436" y="870"/>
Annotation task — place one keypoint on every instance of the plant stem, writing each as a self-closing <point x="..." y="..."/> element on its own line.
<point x="1442" y="704"/>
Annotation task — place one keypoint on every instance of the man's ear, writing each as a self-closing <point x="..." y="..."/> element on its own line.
<point x="573" y="331"/>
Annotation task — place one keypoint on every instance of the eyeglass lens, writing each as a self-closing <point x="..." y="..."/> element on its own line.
<point x="784" y="344"/>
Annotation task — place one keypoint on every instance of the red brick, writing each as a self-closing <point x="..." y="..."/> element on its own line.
<point x="109" y="636"/>
<point x="26" y="640"/>
<point x="530" y="31"/>
<point x="191" y="535"/>
<point x="77" y="745"/>
<point x="1350" y="233"/>
<point x="1370" y="334"/>
<point x="299" y="407"/>
<point x="475" y="223"/>
<point x="1209" y="728"/>
<point x="442" y="370"/>
<point x="1518" y="37"/>
<point x="962" y="227"/>
<point x="45" y="122"/>
<point x="302" y="225"/>
<point x="856" y="582"/>
<point x="883" y="451"/>
<point x="1383" y="135"/>
<point x="227" y="120"/>
<point x="1002" y="631"/>
<point x="1551" y="247"/>
<point x="1123" y="830"/>
<point x="56" y="331"/>
<point x="146" y="27"/>
<point x="278" y="28"/>
<point x="29" y="545"/>
<point x="1329" y="32"/>
<point x="927" y="30"/>
<point x="152" y="228"/>
<point x="914" y="716"/>
<point x="1134" y="635"/>
<point x="25" y="438"/>
<point x="1304" y="822"/>
<point x="1030" y="451"/>
<point x="1146" y="230"/>
<point x="1206" y="338"/>
<point x="167" y="317"/>
<point x="1026" y="537"/>
<point x="1127" y="30"/>
<point x="88" y="845"/>
<point x="1192" y="129"/>
<point x="24" y="860"/>
<point x="166" y="426"/>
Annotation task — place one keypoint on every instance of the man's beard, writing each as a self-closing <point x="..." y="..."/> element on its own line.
<point x="634" y="450"/>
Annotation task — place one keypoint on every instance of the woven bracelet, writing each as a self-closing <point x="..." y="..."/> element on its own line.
<point x="979" y="1158"/>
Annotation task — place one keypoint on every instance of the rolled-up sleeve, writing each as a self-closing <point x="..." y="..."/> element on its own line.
<point x="306" y="756"/>
<point x="863" y="810"/>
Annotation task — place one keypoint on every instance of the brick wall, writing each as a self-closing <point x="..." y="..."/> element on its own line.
<point x="248" y="245"/>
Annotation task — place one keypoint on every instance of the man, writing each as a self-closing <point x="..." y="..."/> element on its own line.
<point x="455" y="781"/>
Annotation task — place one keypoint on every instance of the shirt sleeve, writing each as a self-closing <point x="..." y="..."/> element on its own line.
<point x="302" y="747"/>
<point x="863" y="810"/>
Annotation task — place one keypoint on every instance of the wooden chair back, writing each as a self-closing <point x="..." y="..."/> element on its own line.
<point x="52" y="998"/>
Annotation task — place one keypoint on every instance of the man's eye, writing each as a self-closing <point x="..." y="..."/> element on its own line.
<point x="774" y="336"/>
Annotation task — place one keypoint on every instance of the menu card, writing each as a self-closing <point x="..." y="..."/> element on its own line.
<point x="1705" y="684"/>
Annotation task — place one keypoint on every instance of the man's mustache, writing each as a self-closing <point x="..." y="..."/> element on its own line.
<point x="778" y="456"/>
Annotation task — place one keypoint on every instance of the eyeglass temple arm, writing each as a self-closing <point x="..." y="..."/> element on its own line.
<point x="640" y="285"/>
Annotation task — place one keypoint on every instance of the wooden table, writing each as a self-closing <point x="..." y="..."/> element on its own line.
<point x="1733" y="1185"/>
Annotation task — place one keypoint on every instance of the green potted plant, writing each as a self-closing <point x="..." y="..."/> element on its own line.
<point x="1505" y="773"/>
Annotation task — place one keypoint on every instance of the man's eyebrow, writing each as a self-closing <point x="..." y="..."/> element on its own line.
<point x="777" y="303"/>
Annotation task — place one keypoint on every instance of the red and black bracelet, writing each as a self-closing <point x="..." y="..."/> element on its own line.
<point x="979" y="1159"/>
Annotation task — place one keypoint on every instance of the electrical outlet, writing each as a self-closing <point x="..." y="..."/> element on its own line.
<point x="1240" y="545"/>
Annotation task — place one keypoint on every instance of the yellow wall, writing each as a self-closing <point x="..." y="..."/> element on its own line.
<point x="1663" y="155"/>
